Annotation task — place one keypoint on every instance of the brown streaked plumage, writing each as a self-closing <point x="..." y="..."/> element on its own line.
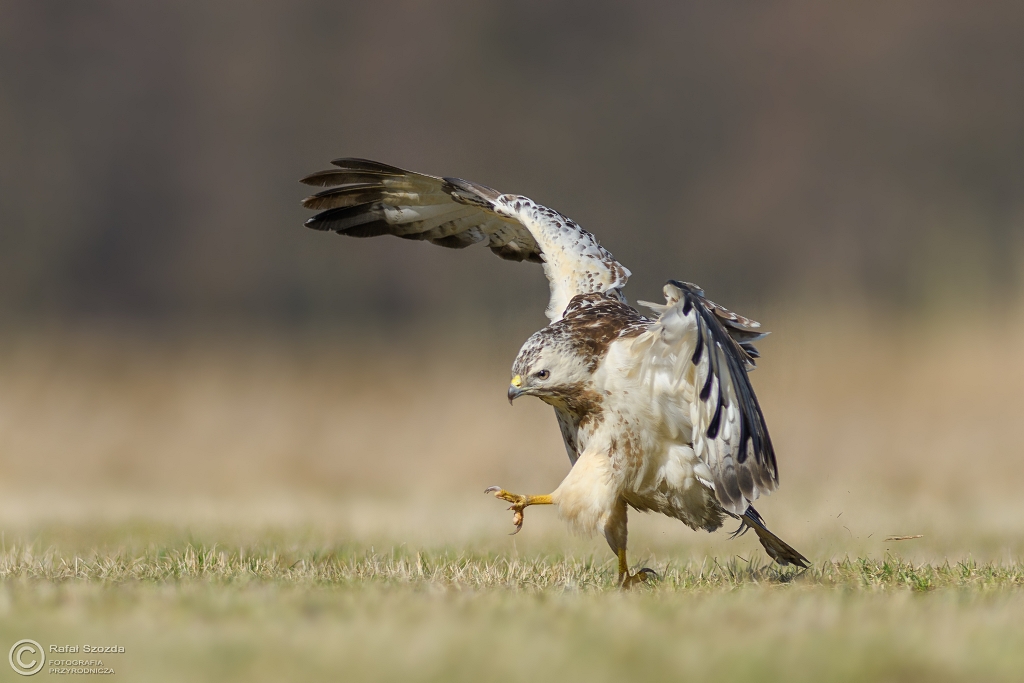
<point x="657" y="414"/>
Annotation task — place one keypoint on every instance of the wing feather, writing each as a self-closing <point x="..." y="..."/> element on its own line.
<point x="699" y="354"/>
<point x="366" y="198"/>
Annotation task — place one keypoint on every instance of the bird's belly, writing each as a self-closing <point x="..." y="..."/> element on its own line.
<point x="669" y="481"/>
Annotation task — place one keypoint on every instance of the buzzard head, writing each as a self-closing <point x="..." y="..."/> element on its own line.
<point x="550" y="367"/>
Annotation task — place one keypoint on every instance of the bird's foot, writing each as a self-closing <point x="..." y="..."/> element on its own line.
<point x="645" y="575"/>
<point x="519" y="503"/>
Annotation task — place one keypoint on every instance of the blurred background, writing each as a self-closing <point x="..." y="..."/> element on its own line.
<point x="175" y="346"/>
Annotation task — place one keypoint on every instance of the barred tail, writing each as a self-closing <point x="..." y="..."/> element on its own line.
<point x="777" y="549"/>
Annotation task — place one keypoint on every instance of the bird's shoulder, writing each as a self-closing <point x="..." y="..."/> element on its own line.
<point x="591" y="322"/>
<point x="603" y="316"/>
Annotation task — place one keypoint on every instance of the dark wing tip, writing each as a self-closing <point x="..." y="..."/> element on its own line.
<point x="352" y="170"/>
<point x="366" y="166"/>
<point x="363" y="220"/>
<point x="320" y="178"/>
<point x="347" y="195"/>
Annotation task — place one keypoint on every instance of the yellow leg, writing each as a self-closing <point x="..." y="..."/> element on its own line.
<point x="626" y="580"/>
<point x="519" y="503"/>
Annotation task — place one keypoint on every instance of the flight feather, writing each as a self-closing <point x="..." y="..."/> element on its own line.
<point x="367" y="199"/>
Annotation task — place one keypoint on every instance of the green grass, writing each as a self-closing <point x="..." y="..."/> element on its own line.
<point x="188" y="610"/>
<point x="353" y="568"/>
<point x="244" y="510"/>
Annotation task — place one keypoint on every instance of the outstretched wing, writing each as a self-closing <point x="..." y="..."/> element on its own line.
<point x="697" y="356"/>
<point x="367" y="199"/>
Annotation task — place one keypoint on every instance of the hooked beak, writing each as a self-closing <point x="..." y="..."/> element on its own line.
<point x="515" y="389"/>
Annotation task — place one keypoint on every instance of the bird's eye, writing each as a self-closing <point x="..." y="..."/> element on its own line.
<point x="542" y="374"/>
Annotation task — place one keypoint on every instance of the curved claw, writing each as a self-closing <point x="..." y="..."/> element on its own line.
<point x="645" y="575"/>
<point x="517" y="519"/>
<point x="517" y="507"/>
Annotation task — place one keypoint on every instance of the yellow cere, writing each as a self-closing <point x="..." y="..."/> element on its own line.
<point x="517" y="381"/>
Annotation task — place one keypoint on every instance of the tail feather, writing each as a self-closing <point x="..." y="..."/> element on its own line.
<point x="777" y="549"/>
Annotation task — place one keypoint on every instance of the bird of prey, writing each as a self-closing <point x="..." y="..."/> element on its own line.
<point x="657" y="413"/>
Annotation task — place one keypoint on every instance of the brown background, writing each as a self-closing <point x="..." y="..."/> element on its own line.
<point x="149" y="151"/>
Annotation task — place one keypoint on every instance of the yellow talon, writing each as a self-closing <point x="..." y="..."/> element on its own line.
<point x="519" y="503"/>
<point x="627" y="580"/>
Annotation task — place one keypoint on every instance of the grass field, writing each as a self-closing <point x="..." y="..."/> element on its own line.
<point x="187" y="610"/>
<point x="265" y="508"/>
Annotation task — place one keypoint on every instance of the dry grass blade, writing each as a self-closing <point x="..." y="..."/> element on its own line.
<point x="359" y="568"/>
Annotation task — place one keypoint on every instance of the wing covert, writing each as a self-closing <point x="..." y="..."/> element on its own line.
<point x="367" y="199"/>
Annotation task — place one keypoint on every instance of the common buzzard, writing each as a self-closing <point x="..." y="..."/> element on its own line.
<point x="656" y="413"/>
